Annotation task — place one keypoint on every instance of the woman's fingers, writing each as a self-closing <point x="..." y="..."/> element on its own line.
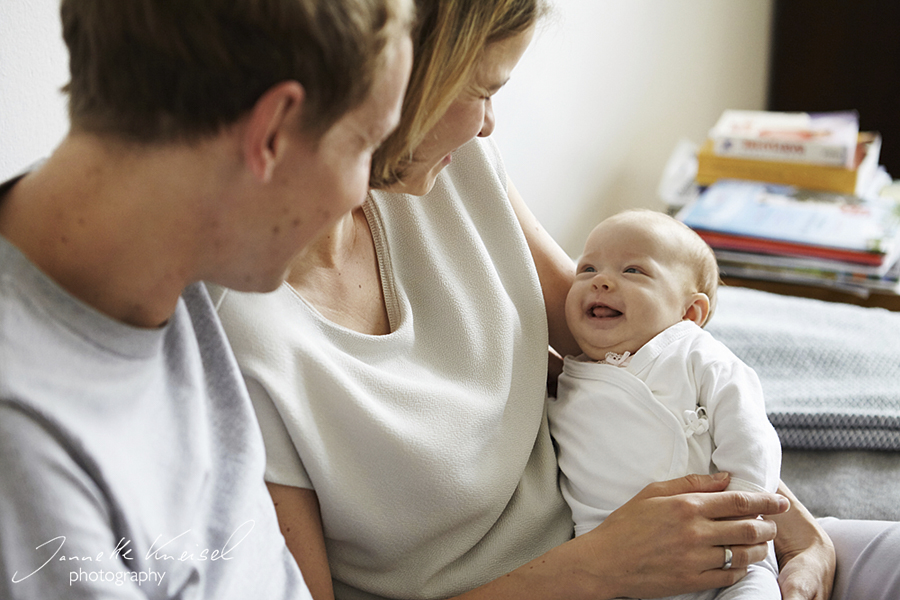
<point x="741" y="532"/>
<point x="741" y="556"/>
<point x="686" y="485"/>
<point x="672" y="535"/>
<point x="724" y="505"/>
<point x="730" y="505"/>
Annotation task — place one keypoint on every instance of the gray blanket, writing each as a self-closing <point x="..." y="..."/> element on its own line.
<point x="830" y="372"/>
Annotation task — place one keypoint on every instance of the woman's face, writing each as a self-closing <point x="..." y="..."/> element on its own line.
<point x="470" y="114"/>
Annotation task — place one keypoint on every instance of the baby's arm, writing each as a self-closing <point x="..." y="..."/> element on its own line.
<point x="744" y="442"/>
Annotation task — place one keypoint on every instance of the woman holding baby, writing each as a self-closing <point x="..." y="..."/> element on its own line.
<point x="399" y="377"/>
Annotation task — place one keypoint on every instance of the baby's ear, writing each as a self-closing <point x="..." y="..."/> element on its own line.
<point x="698" y="309"/>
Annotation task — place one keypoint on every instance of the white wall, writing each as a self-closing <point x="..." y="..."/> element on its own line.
<point x="585" y="125"/>
<point x="33" y="66"/>
<point x="605" y="92"/>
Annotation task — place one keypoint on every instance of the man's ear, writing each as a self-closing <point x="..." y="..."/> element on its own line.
<point x="698" y="309"/>
<point x="276" y="113"/>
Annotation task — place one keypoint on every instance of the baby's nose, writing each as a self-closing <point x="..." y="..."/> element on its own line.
<point x="601" y="282"/>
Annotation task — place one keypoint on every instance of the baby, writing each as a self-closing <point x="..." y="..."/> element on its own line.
<point x="655" y="397"/>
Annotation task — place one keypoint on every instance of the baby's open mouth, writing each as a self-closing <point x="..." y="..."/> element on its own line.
<point x="602" y="311"/>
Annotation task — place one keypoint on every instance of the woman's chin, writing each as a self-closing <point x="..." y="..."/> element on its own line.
<point x="418" y="185"/>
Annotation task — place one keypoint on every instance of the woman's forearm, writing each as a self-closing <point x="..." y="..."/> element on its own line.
<point x="300" y="521"/>
<point x="667" y="540"/>
<point x="805" y="554"/>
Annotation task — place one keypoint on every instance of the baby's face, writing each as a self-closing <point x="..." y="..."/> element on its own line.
<point x="629" y="286"/>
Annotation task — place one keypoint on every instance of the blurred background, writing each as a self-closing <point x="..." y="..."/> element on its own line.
<point x="601" y="98"/>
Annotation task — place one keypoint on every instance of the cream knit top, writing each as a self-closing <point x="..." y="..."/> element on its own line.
<point x="428" y="447"/>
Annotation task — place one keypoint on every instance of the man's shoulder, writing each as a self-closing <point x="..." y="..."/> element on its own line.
<point x="62" y="359"/>
<point x="23" y="322"/>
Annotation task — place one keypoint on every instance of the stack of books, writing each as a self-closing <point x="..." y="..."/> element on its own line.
<point x="796" y="198"/>
<point x="817" y="151"/>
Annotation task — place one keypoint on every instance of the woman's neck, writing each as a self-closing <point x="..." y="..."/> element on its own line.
<point x="339" y="275"/>
<point x="333" y="248"/>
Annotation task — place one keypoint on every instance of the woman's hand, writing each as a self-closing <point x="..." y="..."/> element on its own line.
<point x="805" y="553"/>
<point x="666" y="540"/>
<point x="670" y="539"/>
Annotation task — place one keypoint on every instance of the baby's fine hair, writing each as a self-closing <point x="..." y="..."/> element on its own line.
<point x="696" y="253"/>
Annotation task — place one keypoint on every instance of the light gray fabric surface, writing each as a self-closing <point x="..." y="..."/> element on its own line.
<point x="856" y="484"/>
<point x="867" y="566"/>
<point x="831" y="375"/>
<point x="830" y="372"/>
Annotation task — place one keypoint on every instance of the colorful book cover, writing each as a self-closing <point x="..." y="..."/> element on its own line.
<point x="774" y="219"/>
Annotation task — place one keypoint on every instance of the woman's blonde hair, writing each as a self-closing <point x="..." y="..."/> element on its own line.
<point x="449" y="38"/>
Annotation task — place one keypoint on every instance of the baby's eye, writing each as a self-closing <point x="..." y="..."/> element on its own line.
<point x="588" y="269"/>
<point x="632" y="270"/>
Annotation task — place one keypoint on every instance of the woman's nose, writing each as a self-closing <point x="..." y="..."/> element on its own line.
<point x="487" y="126"/>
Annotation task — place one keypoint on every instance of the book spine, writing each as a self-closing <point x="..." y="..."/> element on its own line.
<point x="780" y="150"/>
<point x="711" y="168"/>
<point x="725" y="241"/>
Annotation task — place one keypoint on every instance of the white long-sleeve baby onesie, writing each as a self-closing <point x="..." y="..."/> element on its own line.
<point x="683" y="404"/>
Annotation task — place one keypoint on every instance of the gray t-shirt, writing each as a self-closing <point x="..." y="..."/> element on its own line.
<point x="131" y="463"/>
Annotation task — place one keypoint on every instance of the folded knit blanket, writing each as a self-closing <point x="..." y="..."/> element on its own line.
<point x="830" y="372"/>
